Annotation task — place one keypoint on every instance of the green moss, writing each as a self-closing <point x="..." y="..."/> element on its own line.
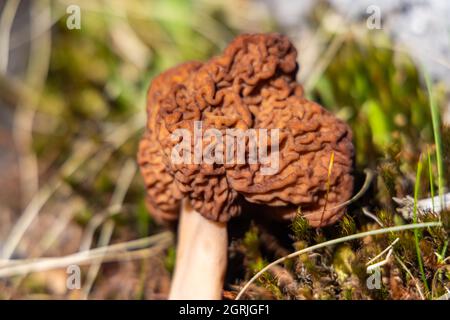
<point x="347" y="225"/>
<point x="300" y="227"/>
<point x="342" y="261"/>
<point x="389" y="172"/>
<point x="251" y="243"/>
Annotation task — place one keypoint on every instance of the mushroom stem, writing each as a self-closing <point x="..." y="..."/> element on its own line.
<point x="201" y="257"/>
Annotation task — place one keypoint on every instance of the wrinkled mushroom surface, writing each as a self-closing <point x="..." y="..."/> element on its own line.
<point x="163" y="195"/>
<point x="250" y="86"/>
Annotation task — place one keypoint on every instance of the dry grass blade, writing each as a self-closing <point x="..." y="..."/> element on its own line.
<point x="331" y="51"/>
<point x="388" y="248"/>
<point x="108" y="253"/>
<point x="369" y="214"/>
<point x="23" y="122"/>
<point x="369" y="177"/>
<point x="6" y="21"/>
<point x="83" y="152"/>
<point x="444" y="297"/>
<point x="416" y="282"/>
<point x="123" y="183"/>
<point x="333" y="242"/>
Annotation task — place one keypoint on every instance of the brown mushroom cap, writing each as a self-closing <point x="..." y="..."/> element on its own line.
<point x="251" y="86"/>
<point x="163" y="196"/>
<point x="309" y="135"/>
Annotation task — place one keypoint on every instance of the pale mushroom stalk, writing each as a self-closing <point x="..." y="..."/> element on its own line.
<point x="201" y="259"/>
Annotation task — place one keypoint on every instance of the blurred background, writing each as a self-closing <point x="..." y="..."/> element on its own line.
<point x="73" y="79"/>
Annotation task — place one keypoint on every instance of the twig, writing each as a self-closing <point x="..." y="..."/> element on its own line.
<point x="62" y="262"/>
<point x="379" y="264"/>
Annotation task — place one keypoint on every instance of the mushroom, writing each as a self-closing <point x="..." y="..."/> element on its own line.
<point x="163" y="195"/>
<point x="251" y="86"/>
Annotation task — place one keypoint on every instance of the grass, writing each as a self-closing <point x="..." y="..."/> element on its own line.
<point x="430" y="175"/>
<point x="435" y="117"/>
<point x="417" y="235"/>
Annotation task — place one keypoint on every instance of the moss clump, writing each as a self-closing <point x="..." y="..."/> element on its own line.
<point x="300" y="227"/>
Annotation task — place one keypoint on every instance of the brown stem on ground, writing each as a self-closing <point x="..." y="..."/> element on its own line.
<point x="201" y="257"/>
